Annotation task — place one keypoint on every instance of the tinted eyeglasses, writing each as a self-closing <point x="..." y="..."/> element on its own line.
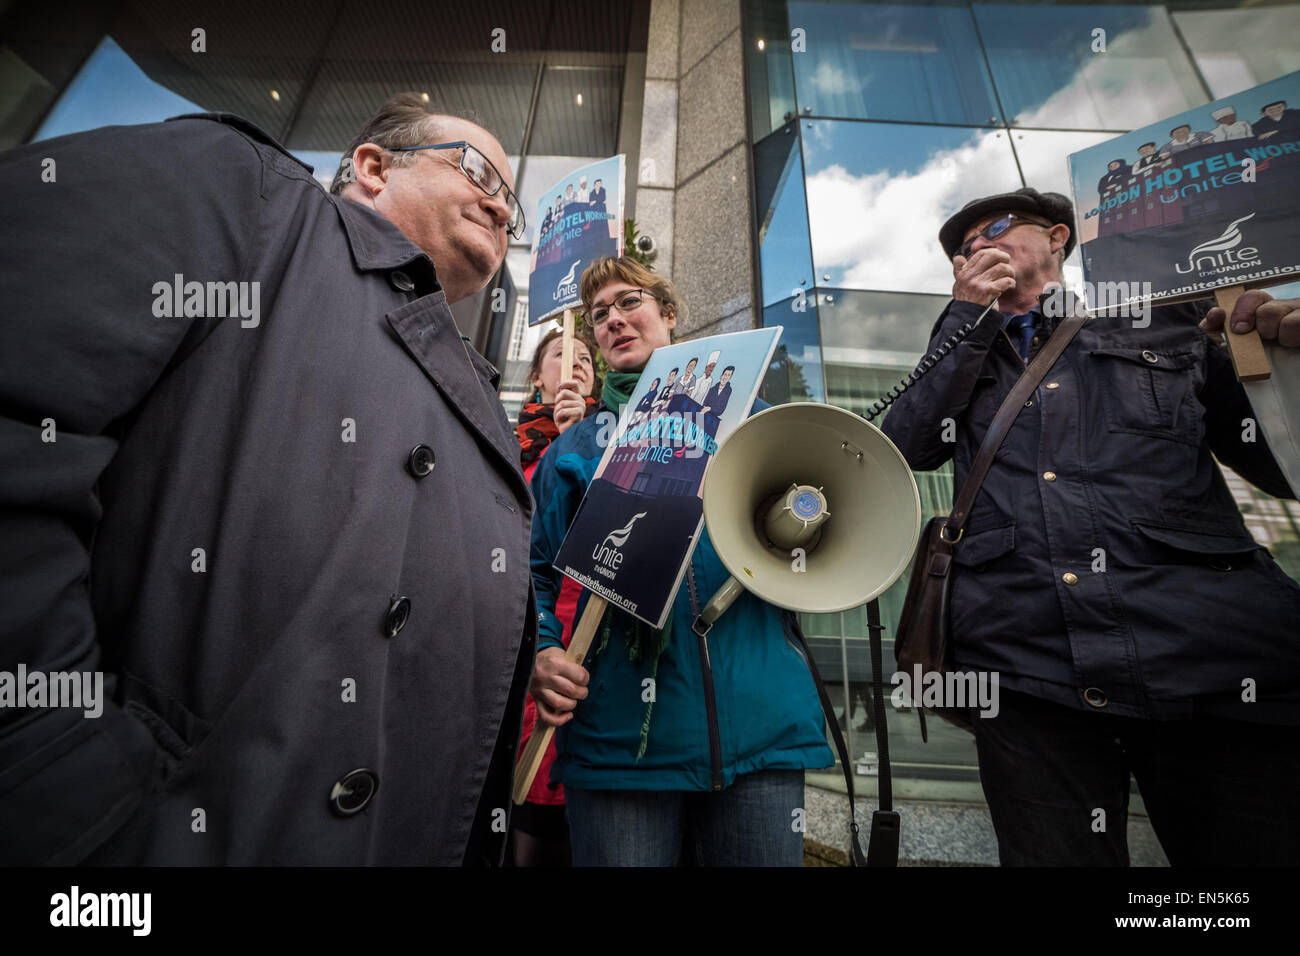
<point x="996" y="228"/>
<point x="625" y="302"/>
<point x="482" y="174"/>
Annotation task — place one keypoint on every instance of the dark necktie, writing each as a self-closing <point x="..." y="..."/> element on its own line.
<point x="1020" y="328"/>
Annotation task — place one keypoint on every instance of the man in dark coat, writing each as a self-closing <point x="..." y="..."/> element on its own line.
<point x="254" y="475"/>
<point x="1106" y="576"/>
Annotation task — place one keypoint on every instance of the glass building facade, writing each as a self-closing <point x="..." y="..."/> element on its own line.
<point x="871" y="124"/>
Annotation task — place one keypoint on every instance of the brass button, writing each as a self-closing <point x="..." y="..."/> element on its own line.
<point x="1053" y="384"/>
<point x="1095" y="697"/>
<point x="1069" y="577"/>
<point x="1049" y="476"/>
<point x="1029" y="404"/>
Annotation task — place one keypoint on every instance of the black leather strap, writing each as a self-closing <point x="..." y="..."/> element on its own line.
<point x="882" y="848"/>
<point x="829" y="712"/>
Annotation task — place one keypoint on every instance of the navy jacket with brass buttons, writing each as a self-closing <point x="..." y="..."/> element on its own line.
<point x="341" y="681"/>
<point x="1105" y="564"/>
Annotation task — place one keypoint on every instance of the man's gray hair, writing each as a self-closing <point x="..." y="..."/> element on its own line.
<point x="407" y="119"/>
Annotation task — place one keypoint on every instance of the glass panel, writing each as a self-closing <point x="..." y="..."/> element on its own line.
<point x="870" y="340"/>
<point x="771" y="76"/>
<point x="891" y="61"/>
<point x="878" y="193"/>
<point x="1047" y="74"/>
<point x="785" y="252"/>
<point x="1274" y="522"/>
<point x="1238" y="49"/>
<point x="111" y="90"/>
<point x="795" y="374"/>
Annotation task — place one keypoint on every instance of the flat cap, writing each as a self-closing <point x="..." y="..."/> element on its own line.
<point x="1053" y="207"/>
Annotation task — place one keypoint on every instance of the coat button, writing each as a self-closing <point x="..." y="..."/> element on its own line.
<point x="1053" y="384"/>
<point x="1150" y="356"/>
<point x="1029" y="404"/>
<point x="1049" y="476"/>
<point x="351" y="794"/>
<point x="1070" y="578"/>
<point x="1095" y="697"/>
<point x="399" y="611"/>
<point x="1220" y="564"/>
<point x="401" y="281"/>
<point x="420" y="461"/>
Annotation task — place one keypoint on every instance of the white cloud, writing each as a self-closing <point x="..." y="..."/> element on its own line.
<point x="882" y="230"/>
<point x="833" y="81"/>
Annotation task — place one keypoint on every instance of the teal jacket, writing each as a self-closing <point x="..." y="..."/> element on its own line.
<point x="766" y="715"/>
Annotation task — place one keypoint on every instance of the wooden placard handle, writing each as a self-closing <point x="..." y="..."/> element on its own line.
<point x="530" y="760"/>
<point x="566" y="347"/>
<point x="1249" y="359"/>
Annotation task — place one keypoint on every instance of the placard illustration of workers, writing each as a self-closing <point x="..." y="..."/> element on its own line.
<point x="1229" y="126"/>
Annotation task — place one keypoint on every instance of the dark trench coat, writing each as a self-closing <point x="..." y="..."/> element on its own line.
<point x="296" y="542"/>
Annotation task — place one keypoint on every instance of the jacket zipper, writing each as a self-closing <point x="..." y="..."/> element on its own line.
<point x="706" y="672"/>
<point x="711" y="708"/>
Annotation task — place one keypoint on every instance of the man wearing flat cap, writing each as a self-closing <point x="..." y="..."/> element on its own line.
<point x="1105" y="574"/>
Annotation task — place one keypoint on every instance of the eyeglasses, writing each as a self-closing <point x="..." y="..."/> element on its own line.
<point x="996" y="228"/>
<point x="625" y="302"/>
<point x="482" y="174"/>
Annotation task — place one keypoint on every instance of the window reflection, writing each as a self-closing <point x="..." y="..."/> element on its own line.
<point x="785" y="254"/>
<point x="891" y="61"/>
<point x="771" y="76"/>
<point x="795" y="374"/>
<point x="870" y="340"/>
<point x="1237" y="49"/>
<point x="1047" y="74"/>
<point x="878" y="193"/>
<point x="111" y="90"/>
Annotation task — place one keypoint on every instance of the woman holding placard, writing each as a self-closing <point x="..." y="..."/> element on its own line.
<point x="661" y="747"/>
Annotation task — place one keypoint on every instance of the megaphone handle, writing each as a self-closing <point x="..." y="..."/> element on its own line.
<point x="722" y="599"/>
<point x="530" y="761"/>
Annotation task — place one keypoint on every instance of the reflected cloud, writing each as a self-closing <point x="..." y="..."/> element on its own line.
<point x="1142" y="75"/>
<point x="835" y="81"/>
<point x="880" y="230"/>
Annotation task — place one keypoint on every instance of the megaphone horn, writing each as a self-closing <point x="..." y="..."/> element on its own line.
<point x="813" y="478"/>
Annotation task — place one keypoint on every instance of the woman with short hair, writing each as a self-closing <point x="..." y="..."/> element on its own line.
<point x="661" y="745"/>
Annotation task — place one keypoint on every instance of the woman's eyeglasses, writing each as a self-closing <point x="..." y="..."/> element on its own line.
<point x="482" y="174"/>
<point x="625" y="302"/>
<point x="996" y="228"/>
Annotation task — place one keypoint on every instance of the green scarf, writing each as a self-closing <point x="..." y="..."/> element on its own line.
<point x="616" y="391"/>
<point x="642" y="641"/>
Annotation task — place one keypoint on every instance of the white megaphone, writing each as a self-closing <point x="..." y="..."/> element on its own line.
<point x="812" y="477"/>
